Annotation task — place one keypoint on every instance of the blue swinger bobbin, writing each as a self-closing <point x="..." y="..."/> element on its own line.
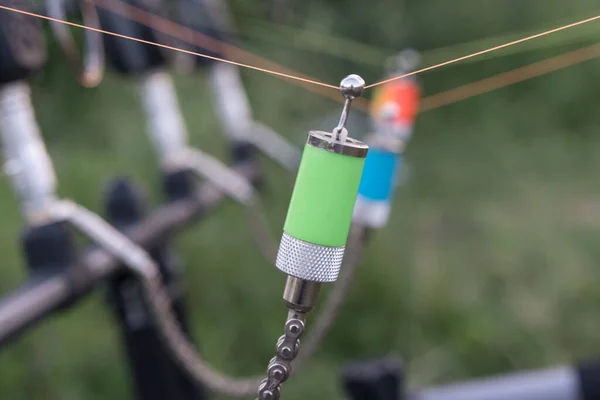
<point x="376" y="190"/>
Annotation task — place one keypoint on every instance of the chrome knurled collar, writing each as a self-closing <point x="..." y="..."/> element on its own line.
<point x="309" y="261"/>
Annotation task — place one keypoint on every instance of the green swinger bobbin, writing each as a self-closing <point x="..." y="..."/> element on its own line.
<point x="320" y="211"/>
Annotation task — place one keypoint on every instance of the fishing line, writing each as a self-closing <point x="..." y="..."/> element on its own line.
<point x="192" y="36"/>
<point x="295" y="77"/>
<point x="186" y="34"/>
<point x="510" y="77"/>
<point x="199" y="39"/>
<point x="268" y="71"/>
<point x="502" y="46"/>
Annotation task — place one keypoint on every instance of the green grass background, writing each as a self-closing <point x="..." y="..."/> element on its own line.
<point x="490" y="262"/>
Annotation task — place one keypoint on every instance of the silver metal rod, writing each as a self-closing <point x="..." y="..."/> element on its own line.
<point x="343" y="118"/>
<point x="351" y="88"/>
<point x="299" y="294"/>
<point x="31" y="303"/>
<point x="551" y="384"/>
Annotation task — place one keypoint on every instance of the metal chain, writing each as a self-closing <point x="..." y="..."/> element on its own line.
<point x="280" y="366"/>
<point x="177" y="343"/>
<point x="335" y="299"/>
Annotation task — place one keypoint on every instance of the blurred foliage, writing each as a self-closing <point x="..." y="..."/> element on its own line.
<point x="490" y="261"/>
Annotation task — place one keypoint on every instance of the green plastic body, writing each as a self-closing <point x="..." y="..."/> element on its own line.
<point x="322" y="203"/>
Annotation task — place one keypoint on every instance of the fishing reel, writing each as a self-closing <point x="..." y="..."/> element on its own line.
<point x="89" y="68"/>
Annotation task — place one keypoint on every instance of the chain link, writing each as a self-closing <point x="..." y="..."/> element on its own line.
<point x="336" y="297"/>
<point x="280" y="366"/>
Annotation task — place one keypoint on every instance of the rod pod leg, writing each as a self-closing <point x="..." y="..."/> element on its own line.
<point x="156" y="376"/>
